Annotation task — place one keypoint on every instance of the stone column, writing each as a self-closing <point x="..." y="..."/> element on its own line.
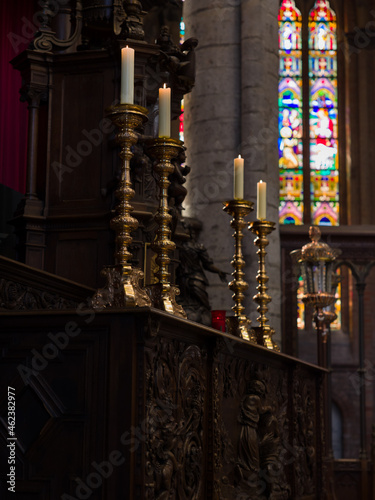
<point x="212" y="129"/>
<point x="259" y="132"/>
<point x="233" y="110"/>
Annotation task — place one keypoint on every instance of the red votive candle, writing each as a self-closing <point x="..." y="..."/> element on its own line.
<point x="218" y="320"/>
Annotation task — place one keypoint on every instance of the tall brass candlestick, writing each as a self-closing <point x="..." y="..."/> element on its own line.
<point x="262" y="228"/>
<point x="239" y="324"/>
<point x="123" y="289"/>
<point x="163" y="293"/>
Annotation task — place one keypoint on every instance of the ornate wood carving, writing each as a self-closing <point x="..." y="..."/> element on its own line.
<point x="254" y="462"/>
<point x="19" y="297"/>
<point x="24" y="288"/>
<point x="175" y="393"/>
<point x="46" y="40"/>
<point x="304" y="423"/>
<point x="189" y="413"/>
<point x="132" y="27"/>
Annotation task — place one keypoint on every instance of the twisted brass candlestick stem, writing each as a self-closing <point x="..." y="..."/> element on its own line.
<point x="264" y="332"/>
<point x="123" y="289"/>
<point x="240" y="324"/>
<point x="163" y="293"/>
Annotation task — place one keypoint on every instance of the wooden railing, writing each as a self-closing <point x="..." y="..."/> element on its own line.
<point x="26" y="288"/>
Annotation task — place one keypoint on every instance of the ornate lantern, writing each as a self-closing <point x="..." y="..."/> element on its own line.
<point x="316" y="260"/>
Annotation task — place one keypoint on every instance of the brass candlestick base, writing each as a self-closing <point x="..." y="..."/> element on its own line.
<point x="123" y="288"/>
<point x="239" y="324"/>
<point x="163" y="293"/>
<point x="263" y="332"/>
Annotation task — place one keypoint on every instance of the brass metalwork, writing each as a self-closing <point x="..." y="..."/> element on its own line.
<point x="316" y="263"/>
<point x="239" y="324"/>
<point x="123" y="288"/>
<point x="264" y="333"/>
<point x="163" y="293"/>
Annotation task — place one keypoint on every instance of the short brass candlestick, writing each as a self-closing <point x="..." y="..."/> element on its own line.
<point x="264" y="332"/>
<point x="163" y="293"/>
<point x="239" y="324"/>
<point x="123" y="289"/>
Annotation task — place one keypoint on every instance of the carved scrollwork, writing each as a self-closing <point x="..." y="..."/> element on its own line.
<point x="19" y="297"/>
<point x="119" y="16"/>
<point x="45" y="39"/>
<point x="174" y="421"/>
<point x="113" y="294"/>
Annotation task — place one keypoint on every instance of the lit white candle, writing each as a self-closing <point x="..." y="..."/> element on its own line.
<point x="238" y="178"/>
<point x="127" y="75"/>
<point x="262" y="200"/>
<point x="164" y="112"/>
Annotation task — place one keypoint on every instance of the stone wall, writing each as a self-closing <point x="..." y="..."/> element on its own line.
<point x="233" y="110"/>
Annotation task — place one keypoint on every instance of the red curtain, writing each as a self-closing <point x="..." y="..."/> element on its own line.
<point x="16" y="32"/>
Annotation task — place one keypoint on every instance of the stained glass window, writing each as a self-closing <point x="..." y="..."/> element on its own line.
<point x="290" y="114"/>
<point x="324" y="174"/>
<point x="311" y="154"/>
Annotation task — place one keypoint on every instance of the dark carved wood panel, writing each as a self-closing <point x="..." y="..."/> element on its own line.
<point x="305" y="425"/>
<point x="251" y="435"/>
<point x="175" y="385"/>
<point x="142" y="405"/>
<point x="81" y="162"/>
<point x="59" y="411"/>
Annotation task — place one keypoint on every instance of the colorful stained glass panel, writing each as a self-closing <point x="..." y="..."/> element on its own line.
<point x="290" y="114"/>
<point x="323" y="156"/>
<point x="324" y="174"/>
<point x="325" y="213"/>
<point x="291" y="212"/>
<point x="323" y="65"/>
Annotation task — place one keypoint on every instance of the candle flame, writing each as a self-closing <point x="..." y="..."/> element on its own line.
<point x="239" y="156"/>
<point x="164" y="86"/>
<point x="260" y="181"/>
